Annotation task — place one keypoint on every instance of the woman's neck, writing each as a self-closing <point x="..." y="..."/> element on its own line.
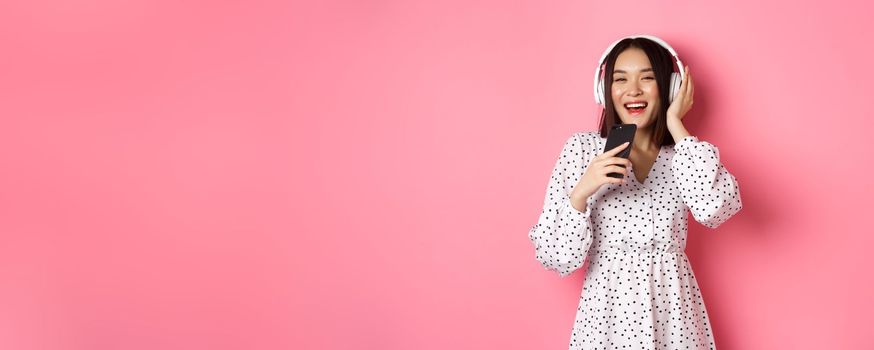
<point x="643" y="141"/>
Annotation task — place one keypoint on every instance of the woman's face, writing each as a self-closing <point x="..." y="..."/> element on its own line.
<point x="634" y="82"/>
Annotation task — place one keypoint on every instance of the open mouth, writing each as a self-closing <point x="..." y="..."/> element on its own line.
<point x="635" y="107"/>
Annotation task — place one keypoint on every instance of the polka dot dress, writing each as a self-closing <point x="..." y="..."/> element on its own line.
<point x="639" y="290"/>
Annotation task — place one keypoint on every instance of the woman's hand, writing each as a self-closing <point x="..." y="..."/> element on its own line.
<point x="596" y="175"/>
<point x="683" y="102"/>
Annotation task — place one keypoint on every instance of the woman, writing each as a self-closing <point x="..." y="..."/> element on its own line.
<point x="639" y="290"/>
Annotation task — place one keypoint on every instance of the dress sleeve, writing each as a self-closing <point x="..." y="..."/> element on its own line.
<point x="707" y="188"/>
<point x="563" y="234"/>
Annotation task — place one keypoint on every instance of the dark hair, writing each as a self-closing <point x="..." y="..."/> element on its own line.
<point x="663" y="65"/>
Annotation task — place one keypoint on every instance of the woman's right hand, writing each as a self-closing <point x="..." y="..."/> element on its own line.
<point x="596" y="174"/>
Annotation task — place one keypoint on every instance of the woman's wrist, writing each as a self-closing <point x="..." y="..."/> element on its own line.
<point x="677" y="129"/>
<point x="579" y="196"/>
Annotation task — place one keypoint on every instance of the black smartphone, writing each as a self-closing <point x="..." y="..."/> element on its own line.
<point x="619" y="134"/>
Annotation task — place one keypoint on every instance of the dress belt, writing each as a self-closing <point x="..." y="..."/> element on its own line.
<point x="634" y="251"/>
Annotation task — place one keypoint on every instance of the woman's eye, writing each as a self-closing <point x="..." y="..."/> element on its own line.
<point x="623" y="79"/>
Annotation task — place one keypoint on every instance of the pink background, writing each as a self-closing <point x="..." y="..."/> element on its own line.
<point x="362" y="175"/>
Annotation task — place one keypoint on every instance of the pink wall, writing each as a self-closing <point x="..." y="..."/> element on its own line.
<point x="362" y="175"/>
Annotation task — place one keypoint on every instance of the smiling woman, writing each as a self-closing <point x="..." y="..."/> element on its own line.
<point x="639" y="290"/>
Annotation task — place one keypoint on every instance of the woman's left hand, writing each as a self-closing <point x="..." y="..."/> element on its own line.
<point x="683" y="102"/>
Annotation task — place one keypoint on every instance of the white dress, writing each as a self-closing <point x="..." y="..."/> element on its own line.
<point x="639" y="290"/>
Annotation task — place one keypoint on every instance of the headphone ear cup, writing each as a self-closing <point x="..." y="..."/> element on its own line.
<point x="675" y="86"/>
<point x="600" y="100"/>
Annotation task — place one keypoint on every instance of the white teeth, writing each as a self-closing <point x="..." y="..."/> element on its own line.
<point x="635" y="105"/>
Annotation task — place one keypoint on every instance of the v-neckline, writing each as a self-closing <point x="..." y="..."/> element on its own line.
<point x="651" y="168"/>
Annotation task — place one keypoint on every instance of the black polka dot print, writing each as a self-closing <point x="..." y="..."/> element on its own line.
<point x="639" y="290"/>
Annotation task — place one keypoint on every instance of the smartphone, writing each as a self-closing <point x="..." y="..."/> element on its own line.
<point x="619" y="134"/>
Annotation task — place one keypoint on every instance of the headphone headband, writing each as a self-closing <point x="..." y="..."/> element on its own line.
<point x="598" y="97"/>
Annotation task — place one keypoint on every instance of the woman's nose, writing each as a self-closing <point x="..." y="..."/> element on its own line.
<point x="634" y="88"/>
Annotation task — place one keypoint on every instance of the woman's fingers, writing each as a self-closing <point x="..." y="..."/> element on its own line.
<point x="615" y="169"/>
<point x="617" y="160"/>
<point x="615" y="150"/>
<point x="688" y="83"/>
<point x="682" y="91"/>
<point x="691" y="89"/>
<point x="607" y="162"/>
<point x="684" y="88"/>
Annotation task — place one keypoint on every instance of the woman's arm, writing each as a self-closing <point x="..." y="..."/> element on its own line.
<point x="563" y="234"/>
<point x="707" y="188"/>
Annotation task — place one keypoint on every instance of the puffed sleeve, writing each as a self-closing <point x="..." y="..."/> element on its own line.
<point x="707" y="188"/>
<point x="563" y="234"/>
